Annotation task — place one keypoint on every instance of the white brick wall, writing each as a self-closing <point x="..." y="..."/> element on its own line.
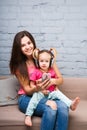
<point x="54" y="23"/>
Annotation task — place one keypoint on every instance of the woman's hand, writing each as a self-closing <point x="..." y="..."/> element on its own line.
<point x="56" y="81"/>
<point x="41" y="85"/>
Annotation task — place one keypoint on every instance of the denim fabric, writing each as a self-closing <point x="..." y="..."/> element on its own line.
<point x="51" y="119"/>
<point x="62" y="116"/>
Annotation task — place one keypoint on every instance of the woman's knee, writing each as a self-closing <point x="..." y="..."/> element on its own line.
<point x="52" y="104"/>
<point x="62" y="108"/>
<point x="23" y="103"/>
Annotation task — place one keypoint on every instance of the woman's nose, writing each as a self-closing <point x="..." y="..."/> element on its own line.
<point x="27" y="46"/>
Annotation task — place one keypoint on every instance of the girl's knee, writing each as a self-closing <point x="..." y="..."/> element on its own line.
<point x="52" y="104"/>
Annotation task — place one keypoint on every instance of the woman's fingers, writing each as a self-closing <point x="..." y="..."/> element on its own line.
<point x="45" y="84"/>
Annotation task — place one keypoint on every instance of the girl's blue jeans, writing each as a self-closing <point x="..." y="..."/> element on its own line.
<point x="51" y="119"/>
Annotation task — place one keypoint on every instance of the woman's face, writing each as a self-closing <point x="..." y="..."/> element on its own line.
<point x="27" y="46"/>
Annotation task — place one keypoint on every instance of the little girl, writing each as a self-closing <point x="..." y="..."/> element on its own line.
<point x="44" y="70"/>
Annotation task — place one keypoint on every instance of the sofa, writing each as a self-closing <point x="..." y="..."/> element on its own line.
<point x="12" y="119"/>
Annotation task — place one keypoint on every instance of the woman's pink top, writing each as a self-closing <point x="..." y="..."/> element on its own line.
<point x="30" y="71"/>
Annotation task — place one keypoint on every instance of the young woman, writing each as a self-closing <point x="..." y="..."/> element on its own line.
<point x="20" y="63"/>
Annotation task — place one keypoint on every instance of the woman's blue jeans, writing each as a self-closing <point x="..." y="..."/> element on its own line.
<point x="51" y="119"/>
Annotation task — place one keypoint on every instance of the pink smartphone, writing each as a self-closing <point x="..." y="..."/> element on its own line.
<point x="45" y="76"/>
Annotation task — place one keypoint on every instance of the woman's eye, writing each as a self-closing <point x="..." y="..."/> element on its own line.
<point x="29" y="43"/>
<point x="22" y="45"/>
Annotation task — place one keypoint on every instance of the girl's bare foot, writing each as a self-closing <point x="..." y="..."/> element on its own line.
<point x="75" y="103"/>
<point x="28" y="121"/>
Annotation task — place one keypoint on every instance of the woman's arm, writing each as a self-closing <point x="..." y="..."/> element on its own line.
<point x="30" y="88"/>
<point x="58" y="81"/>
<point x="25" y="84"/>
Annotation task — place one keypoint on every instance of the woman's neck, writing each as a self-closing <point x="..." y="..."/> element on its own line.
<point x="30" y="61"/>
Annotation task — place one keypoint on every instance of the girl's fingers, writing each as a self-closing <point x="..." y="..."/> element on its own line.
<point x="42" y="85"/>
<point x="45" y="84"/>
<point x="39" y="81"/>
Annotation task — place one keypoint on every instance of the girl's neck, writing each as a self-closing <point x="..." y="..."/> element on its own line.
<point x="44" y="71"/>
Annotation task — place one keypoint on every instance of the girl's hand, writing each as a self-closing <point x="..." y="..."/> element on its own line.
<point x="41" y="85"/>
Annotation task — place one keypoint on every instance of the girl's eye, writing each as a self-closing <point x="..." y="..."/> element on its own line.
<point x="41" y="61"/>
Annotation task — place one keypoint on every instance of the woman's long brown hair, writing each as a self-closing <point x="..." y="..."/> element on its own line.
<point x="18" y="59"/>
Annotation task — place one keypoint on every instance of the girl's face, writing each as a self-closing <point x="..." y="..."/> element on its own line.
<point x="27" y="46"/>
<point x="44" y="61"/>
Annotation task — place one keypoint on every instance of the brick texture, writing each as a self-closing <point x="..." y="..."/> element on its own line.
<point x="54" y="23"/>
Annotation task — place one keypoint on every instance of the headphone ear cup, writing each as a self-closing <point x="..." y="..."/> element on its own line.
<point x="37" y="63"/>
<point x="51" y="61"/>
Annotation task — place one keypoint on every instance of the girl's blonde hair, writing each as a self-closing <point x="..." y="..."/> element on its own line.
<point x="37" y="52"/>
